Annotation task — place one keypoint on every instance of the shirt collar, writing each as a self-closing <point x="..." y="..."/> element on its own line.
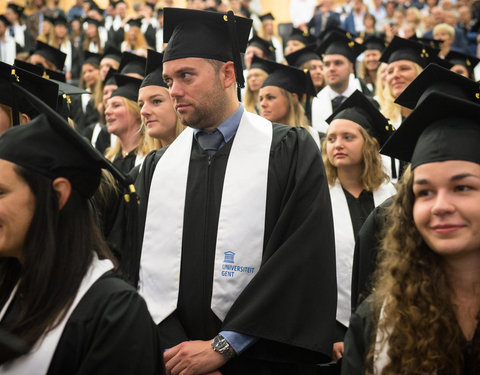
<point x="229" y="127"/>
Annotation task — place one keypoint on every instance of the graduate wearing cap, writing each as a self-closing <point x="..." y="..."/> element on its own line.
<point x="62" y="40"/>
<point x="8" y="48"/>
<point x="134" y="41"/>
<point x="97" y="133"/>
<point x="339" y="54"/>
<point x="156" y="106"/>
<point x="367" y="246"/>
<point x="122" y="116"/>
<point x="132" y="65"/>
<point x="282" y="94"/>
<point x="48" y="174"/>
<point x="47" y="56"/>
<point x="298" y="39"/>
<point x="258" y="47"/>
<point x="406" y="59"/>
<point x="267" y="31"/>
<point x="358" y="184"/>
<point x="462" y="64"/>
<point x="116" y="32"/>
<point x="109" y="60"/>
<point x="430" y="252"/>
<point x="92" y="40"/>
<point x="14" y="13"/>
<point x="306" y="58"/>
<point x="374" y="47"/>
<point x="8" y="112"/>
<point x="255" y="76"/>
<point x="233" y="287"/>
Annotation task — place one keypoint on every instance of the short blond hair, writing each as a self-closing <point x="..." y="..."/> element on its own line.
<point x="443" y="27"/>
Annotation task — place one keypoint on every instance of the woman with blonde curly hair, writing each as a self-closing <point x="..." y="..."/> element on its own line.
<point x="123" y="119"/>
<point x="357" y="184"/>
<point x="282" y="94"/>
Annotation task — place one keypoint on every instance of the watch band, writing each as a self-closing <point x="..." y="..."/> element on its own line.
<point x="221" y="345"/>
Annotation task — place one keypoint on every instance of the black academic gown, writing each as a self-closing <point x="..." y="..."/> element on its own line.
<point x="110" y="331"/>
<point x="290" y="304"/>
<point x="367" y="246"/>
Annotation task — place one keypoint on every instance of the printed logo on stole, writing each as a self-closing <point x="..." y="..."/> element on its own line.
<point x="228" y="267"/>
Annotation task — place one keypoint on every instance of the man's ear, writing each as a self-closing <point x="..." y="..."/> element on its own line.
<point x="228" y="70"/>
<point x="63" y="189"/>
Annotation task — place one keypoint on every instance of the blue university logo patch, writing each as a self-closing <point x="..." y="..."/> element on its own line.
<point x="229" y="257"/>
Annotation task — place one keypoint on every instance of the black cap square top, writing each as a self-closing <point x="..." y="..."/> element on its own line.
<point x="206" y="34"/>
<point x="300" y="57"/>
<point x="362" y="111"/>
<point x="436" y="78"/>
<point x="406" y="49"/>
<point x="51" y="54"/>
<point x="154" y="70"/>
<point x="339" y="44"/>
<point x="289" y="78"/>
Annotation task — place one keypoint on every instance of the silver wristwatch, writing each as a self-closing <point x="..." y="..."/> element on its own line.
<point x="221" y="345"/>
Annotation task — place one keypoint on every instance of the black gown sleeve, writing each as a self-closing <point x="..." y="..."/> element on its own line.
<point x="109" y="332"/>
<point x="367" y="246"/>
<point x="358" y="340"/>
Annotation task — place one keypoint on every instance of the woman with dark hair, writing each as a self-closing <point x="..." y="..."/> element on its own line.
<point x="58" y="291"/>
<point x="423" y="315"/>
<point x="358" y="183"/>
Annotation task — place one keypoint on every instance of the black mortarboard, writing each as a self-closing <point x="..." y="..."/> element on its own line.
<point x="339" y="44"/>
<point x="91" y="20"/>
<point x="49" y="18"/>
<point x="50" y="147"/>
<point x="112" y="53"/>
<point x="259" y="63"/>
<point x="60" y="20"/>
<point x="52" y="54"/>
<point x="91" y="58"/>
<point x="94" y="6"/>
<point x="127" y="87"/>
<point x="374" y="43"/>
<point x="458" y="58"/>
<point x="289" y="78"/>
<point x="361" y="110"/>
<point x="135" y="22"/>
<point x="154" y="70"/>
<point x="5" y="21"/>
<point x="300" y="57"/>
<point x="406" y="49"/>
<point x="38" y="86"/>
<point x="440" y="128"/>
<point x="208" y="35"/>
<point x="110" y="77"/>
<point x="429" y="42"/>
<point x="16" y="8"/>
<point x="6" y="97"/>
<point x="35" y="69"/>
<point x="301" y="36"/>
<point x="131" y="63"/>
<point x="435" y="78"/>
<point x="334" y="29"/>
<point x="267" y="47"/>
<point x="266" y="17"/>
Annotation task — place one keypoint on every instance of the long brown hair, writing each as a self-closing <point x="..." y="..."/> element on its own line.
<point x="413" y="289"/>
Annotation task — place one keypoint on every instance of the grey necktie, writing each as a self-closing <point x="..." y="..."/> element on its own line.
<point x="337" y="101"/>
<point x="210" y="141"/>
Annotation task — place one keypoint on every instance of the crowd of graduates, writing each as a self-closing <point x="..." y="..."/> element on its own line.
<point x="360" y="228"/>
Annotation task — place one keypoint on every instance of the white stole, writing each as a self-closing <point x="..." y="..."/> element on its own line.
<point x="345" y="244"/>
<point x="37" y="361"/>
<point x="241" y="224"/>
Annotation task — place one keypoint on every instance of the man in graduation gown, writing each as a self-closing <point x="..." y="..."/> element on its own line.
<point x="237" y="264"/>
<point x="339" y="53"/>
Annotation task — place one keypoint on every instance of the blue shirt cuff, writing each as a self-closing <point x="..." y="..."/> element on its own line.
<point x="239" y="342"/>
